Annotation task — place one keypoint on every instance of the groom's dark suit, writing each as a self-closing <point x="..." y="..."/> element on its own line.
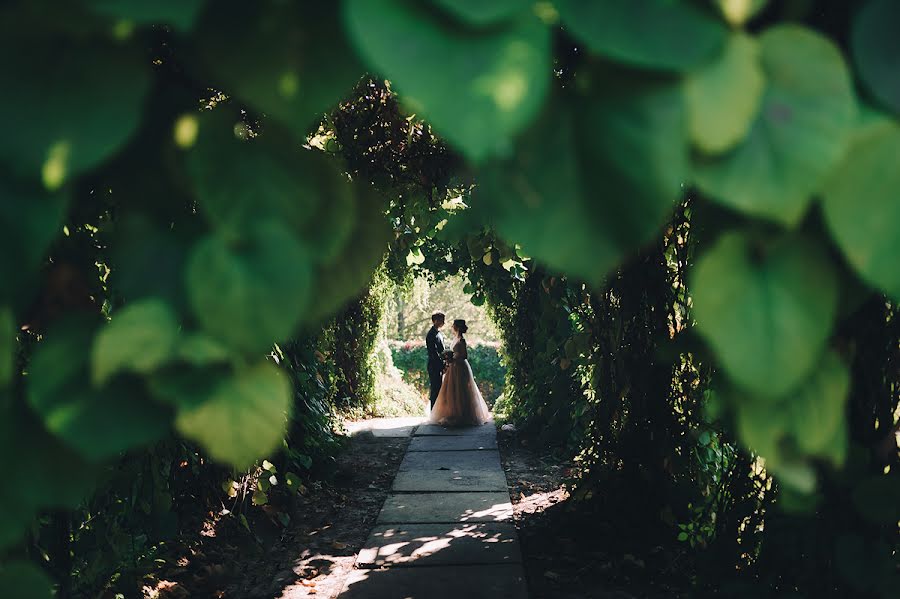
<point x="434" y="342"/>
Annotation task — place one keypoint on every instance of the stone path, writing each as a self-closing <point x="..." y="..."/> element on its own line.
<point x="446" y="529"/>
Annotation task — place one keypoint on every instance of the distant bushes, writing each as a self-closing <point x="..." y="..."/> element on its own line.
<point x="411" y="358"/>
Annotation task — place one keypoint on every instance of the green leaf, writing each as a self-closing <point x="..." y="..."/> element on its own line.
<point x="140" y="338"/>
<point x="477" y="88"/>
<point x="31" y="219"/>
<point x="252" y="292"/>
<point x="629" y="141"/>
<point x="723" y="96"/>
<point x="8" y="345"/>
<point x="75" y="104"/>
<point x="99" y="423"/>
<point x="766" y="309"/>
<point x="289" y="60"/>
<point x="738" y="12"/>
<point x="799" y="133"/>
<point x="862" y="204"/>
<point x="178" y="13"/>
<point x="480" y="13"/>
<point x="340" y="280"/>
<point x="662" y="34"/>
<point x="200" y="350"/>
<point x="293" y="482"/>
<point x="817" y="411"/>
<point x="269" y="466"/>
<point x="269" y="176"/>
<point x="260" y="498"/>
<point x="24" y="580"/>
<point x="244" y="418"/>
<point x="876" y="50"/>
<point x="682" y="536"/>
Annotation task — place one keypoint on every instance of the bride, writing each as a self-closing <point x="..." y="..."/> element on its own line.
<point x="459" y="402"/>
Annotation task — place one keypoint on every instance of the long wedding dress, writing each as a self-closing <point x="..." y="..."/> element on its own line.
<point x="459" y="402"/>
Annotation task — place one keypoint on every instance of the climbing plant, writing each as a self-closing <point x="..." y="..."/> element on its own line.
<point x="224" y="225"/>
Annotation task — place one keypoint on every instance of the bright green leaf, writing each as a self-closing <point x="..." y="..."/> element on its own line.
<point x="799" y="133"/>
<point x="201" y="350"/>
<point x="250" y="293"/>
<point x="24" y="580"/>
<point x="477" y="88"/>
<point x="480" y="13"/>
<point x="140" y="338"/>
<point x="75" y="104"/>
<point x="179" y="13"/>
<point x="862" y="204"/>
<point x="723" y="96"/>
<point x="244" y="418"/>
<point x="817" y="408"/>
<point x="662" y="34"/>
<point x="738" y="12"/>
<point x="269" y="466"/>
<point x="876" y="50"/>
<point x="766" y="309"/>
<point x="99" y="423"/>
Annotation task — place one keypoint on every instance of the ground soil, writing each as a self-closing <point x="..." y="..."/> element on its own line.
<point x="310" y="557"/>
<point x="568" y="548"/>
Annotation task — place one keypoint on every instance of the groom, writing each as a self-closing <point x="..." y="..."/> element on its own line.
<point x="434" y="342"/>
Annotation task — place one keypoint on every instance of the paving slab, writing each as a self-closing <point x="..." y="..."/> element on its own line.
<point x="450" y="480"/>
<point x="486" y="459"/>
<point x="385" y="427"/>
<point x="417" y="545"/>
<point x="421" y="508"/>
<point x="438" y="582"/>
<point x="452" y="442"/>
<point x="434" y="429"/>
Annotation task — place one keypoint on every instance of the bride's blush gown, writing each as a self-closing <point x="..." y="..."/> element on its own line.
<point x="459" y="402"/>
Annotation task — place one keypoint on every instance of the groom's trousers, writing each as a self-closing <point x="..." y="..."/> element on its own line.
<point x="434" y="379"/>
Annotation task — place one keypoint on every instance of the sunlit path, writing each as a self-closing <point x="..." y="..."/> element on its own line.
<point x="446" y="528"/>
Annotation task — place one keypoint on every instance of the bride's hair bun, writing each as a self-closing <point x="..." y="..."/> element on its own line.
<point x="460" y="325"/>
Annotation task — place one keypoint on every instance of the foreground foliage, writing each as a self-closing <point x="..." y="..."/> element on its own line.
<point x="162" y="235"/>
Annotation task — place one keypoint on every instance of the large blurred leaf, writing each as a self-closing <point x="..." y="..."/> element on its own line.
<point x="31" y="219"/>
<point x="240" y="181"/>
<point x="799" y="133"/>
<point x="663" y="34"/>
<point x="862" y="204"/>
<point x="244" y="418"/>
<point x="253" y="291"/>
<point x="588" y="186"/>
<point x="876" y="50"/>
<point x="179" y="13"/>
<point x="140" y="338"/>
<point x="477" y="88"/>
<point x="99" y="423"/>
<point x="346" y="275"/>
<point x="75" y="104"/>
<point x="738" y="12"/>
<point x="724" y="95"/>
<point x="767" y="309"/>
<point x="817" y="408"/>
<point x="288" y="60"/>
<point x="479" y="12"/>
<point x="24" y="580"/>
<point x="7" y="344"/>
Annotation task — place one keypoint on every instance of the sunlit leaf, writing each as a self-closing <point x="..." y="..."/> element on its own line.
<point x="251" y="292"/>
<point x="477" y="89"/>
<point x="244" y="418"/>
<point x="862" y="204"/>
<point x="767" y="309"/>
<point x="799" y="134"/>
<point x="140" y="338"/>
<point x="724" y="96"/>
